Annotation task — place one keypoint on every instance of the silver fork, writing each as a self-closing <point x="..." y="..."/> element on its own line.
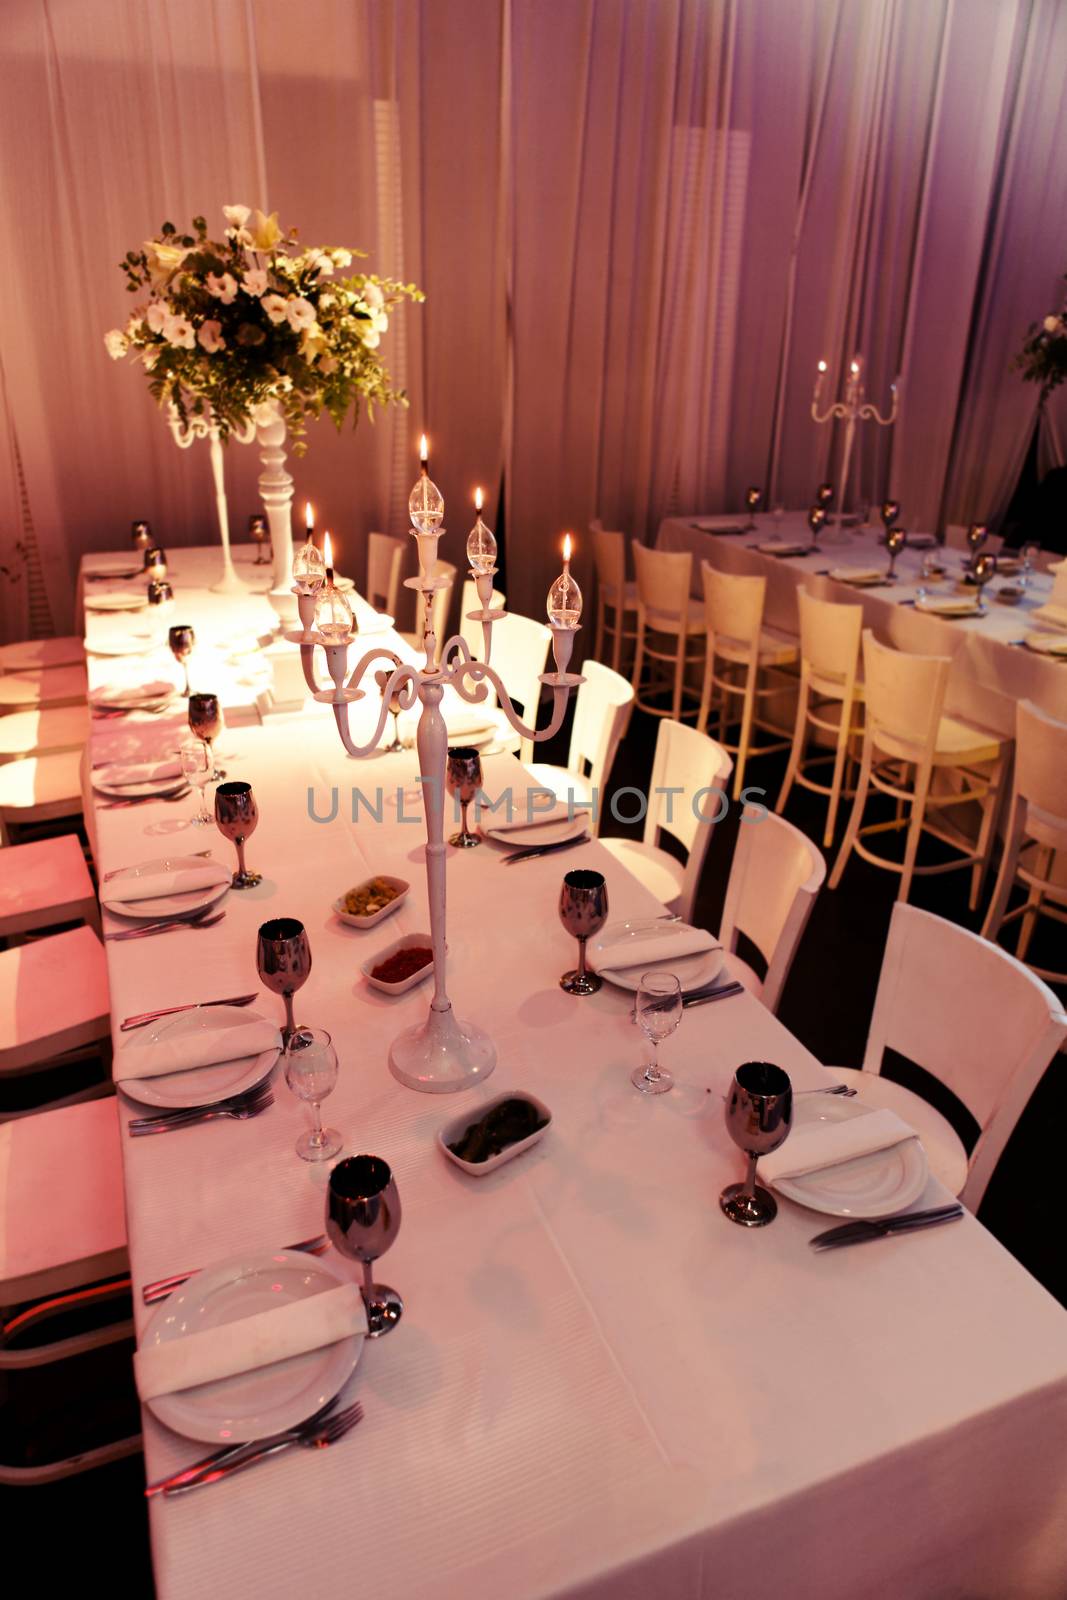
<point x="228" y="1452"/>
<point x="116" y="871"/>
<point x="152" y="1293"/>
<point x="324" y="1433"/>
<point x="240" y="1107"/>
<point x="166" y="927"/>
<point x="143" y="1018"/>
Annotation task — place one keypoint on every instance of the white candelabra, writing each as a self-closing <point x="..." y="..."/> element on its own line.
<point x="203" y="426"/>
<point x="441" y="1054"/>
<point x="852" y="409"/>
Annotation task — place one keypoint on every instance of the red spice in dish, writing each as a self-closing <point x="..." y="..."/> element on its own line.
<point x="403" y="964"/>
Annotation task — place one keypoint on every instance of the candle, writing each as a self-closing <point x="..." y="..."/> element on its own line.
<point x="327" y="551"/>
<point x="309" y="518"/>
<point x="481" y="545"/>
<point x="424" y="454"/>
<point x="819" y="377"/>
<point x="565" y="597"/>
<point x="567" y="553"/>
<point x="478" y="501"/>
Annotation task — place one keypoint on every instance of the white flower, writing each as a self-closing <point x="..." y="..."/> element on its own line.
<point x="156" y="316"/>
<point x="163" y="260"/>
<point x="1053" y="325"/>
<point x="237" y="216"/>
<point x="370" y="336"/>
<point x="224" y="288"/>
<point x="381" y="322"/>
<point x="150" y="357"/>
<point x="117" y="343"/>
<point x="265" y="413"/>
<point x="210" y="336"/>
<point x="326" y="301"/>
<point x="373" y="296"/>
<point x="179" y="331"/>
<point x="301" y="313"/>
<point x="135" y="324"/>
<point x="255" y="281"/>
<point x="342" y="258"/>
<point x="276" y="307"/>
<point x="324" y="265"/>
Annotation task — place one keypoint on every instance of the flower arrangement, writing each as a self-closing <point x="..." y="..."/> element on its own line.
<point x="232" y="326"/>
<point x="1043" y="357"/>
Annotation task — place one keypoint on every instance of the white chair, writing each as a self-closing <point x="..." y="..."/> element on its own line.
<point x="1037" y="825"/>
<point x="53" y="999"/>
<point x="698" y="770"/>
<point x="613" y="593"/>
<point x="385" y="557"/>
<point x="440" y="606"/>
<point x="830" y="699"/>
<point x="775" y="878"/>
<point x="907" y="731"/>
<point x="34" y="733"/>
<point x="32" y="654"/>
<point x="43" y="686"/>
<point x="43" y="884"/>
<point x="40" y="789"/>
<point x="752" y="657"/>
<point x="601" y="714"/>
<point x="520" y="655"/>
<point x="972" y="1016"/>
<point x="64" y="1231"/>
<point x="665" y="613"/>
<point x="471" y="632"/>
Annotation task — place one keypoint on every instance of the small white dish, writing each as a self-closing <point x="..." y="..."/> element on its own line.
<point x="457" y="1127"/>
<point x="875" y="1185"/>
<point x="406" y="942"/>
<point x="267" y="1399"/>
<point x="138" y="791"/>
<point x="719" y="525"/>
<point x="353" y="920"/>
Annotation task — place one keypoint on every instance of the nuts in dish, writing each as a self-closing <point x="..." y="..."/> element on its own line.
<point x="370" y="897"/>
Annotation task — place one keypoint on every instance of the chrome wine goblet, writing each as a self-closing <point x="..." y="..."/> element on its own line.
<point x="258" y="530"/>
<point x="824" y="495"/>
<point x="205" y="720"/>
<point x="311" y="1073"/>
<point x="583" y="910"/>
<point x="283" y="961"/>
<point x="382" y="679"/>
<point x="759" y="1115"/>
<point x="181" y="639"/>
<point x="362" y="1220"/>
<point x="753" y="496"/>
<point x="141" y="534"/>
<point x="977" y="534"/>
<point x="983" y="569"/>
<point x="236" y="815"/>
<point x="463" y="775"/>
<point x="895" y="540"/>
<point x="816" y="523"/>
<point x="657" y="1011"/>
<point x="890" y="512"/>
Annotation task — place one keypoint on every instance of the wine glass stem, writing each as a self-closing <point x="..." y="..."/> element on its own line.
<point x="652" y="1070"/>
<point x="466" y="831"/>
<point x="581" y="956"/>
<point x="750" y="1178"/>
<point x="316" y="1132"/>
<point x="290" y="1025"/>
<point x="368" y="1284"/>
<point x="240" y="844"/>
<point x="185" y="669"/>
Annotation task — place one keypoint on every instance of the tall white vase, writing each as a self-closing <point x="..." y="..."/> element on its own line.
<point x="202" y="426"/>
<point x="276" y="492"/>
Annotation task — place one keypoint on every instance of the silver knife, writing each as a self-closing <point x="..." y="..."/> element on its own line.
<point x="723" y="992"/>
<point x="859" y="1232"/>
<point x="531" y="851"/>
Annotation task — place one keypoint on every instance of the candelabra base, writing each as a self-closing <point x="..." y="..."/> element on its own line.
<point x="442" y="1055"/>
<point x="230" y="583"/>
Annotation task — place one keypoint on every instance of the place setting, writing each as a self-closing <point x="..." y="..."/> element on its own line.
<point x="121" y="699"/>
<point x="165" y="891"/>
<point x="524" y="830"/>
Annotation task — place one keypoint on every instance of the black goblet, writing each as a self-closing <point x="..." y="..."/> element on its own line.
<point x="464" y="778"/>
<point x="362" y="1220"/>
<point x="283" y="961"/>
<point x="236" y="815"/>
<point x="141" y="534"/>
<point x="205" y="720"/>
<point x="890" y="512"/>
<point x="824" y="495"/>
<point x="759" y="1115"/>
<point x="181" y="639"/>
<point x="583" y="910"/>
<point x="816" y="523"/>
<point x="753" y="496"/>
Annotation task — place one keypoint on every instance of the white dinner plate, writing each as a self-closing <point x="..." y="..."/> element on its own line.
<point x="1047" y="644"/>
<point x="948" y="607"/>
<point x="858" y="577"/>
<point x="875" y="1185"/>
<point x="137" y="644"/>
<point x="138" y="791"/>
<point x="117" y="567"/>
<point x="181" y="904"/>
<point x="537" y="834"/>
<point x="692" y="972"/>
<point x="115" y="602"/>
<point x="124" y="697"/>
<point x="197" y="1086"/>
<point x="783" y="547"/>
<point x="268" y="1399"/>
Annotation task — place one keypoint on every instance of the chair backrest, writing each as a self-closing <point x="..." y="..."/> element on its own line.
<point x="441" y="602"/>
<point x="520" y="653"/>
<point x="1041" y="760"/>
<point x="973" y="1016"/>
<point x="471" y="632"/>
<point x="905" y="695"/>
<point x="663" y="581"/>
<point x="609" y="554"/>
<point x="775" y="878"/>
<point x="385" y="556"/>
<point x="698" y="767"/>
<point x="601" y="714"/>
<point x="830" y="634"/>
<point x="733" y="605"/>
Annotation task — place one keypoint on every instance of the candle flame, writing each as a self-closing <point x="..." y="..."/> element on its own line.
<point x="822" y="366"/>
<point x="566" y="547"/>
<point x="424" y="448"/>
<point x="309" y="515"/>
<point x="855" y="366"/>
<point x="327" y="548"/>
<point x="478" y="501"/>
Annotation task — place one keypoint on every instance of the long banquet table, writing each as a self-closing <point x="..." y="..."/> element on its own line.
<point x="599" y="1387"/>
<point x="990" y="670"/>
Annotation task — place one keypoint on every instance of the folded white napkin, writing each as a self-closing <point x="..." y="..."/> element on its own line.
<point x="814" y="1145"/>
<point x="156" y="1050"/>
<point x="153" y="885"/>
<point x="652" y="948"/>
<point x="857" y="574"/>
<point x="1054" y="615"/>
<point x="1047" y="644"/>
<point x="947" y="605"/>
<point x="523" y="819"/>
<point x="126" y="693"/>
<point x="718" y="525"/>
<point x="286" y="1330"/>
<point x="140" y="772"/>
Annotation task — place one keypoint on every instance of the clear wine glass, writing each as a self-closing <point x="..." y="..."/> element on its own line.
<point x="196" y="768"/>
<point x="181" y="639"/>
<point x="205" y="720"/>
<point x="464" y="778"/>
<point x="1029" y="553"/>
<point x="362" y="1221"/>
<point x="583" y="910"/>
<point x="236" y="816"/>
<point x="759" y="1115"/>
<point x="311" y="1073"/>
<point x="283" y="961"/>
<point x="657" y="1011"/>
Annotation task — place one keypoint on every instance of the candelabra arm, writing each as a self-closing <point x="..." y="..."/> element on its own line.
<point x="359" y="751"/>
<point x="307" y="662"/>
<point x="871" y="413"/>
<point x="479" y="672"/>
<point x="833" y="413"/>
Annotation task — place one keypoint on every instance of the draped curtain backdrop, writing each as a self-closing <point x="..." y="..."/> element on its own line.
<point x="639" y="225"/>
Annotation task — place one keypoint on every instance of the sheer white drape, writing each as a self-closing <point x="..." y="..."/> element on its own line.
<point x="639" y="224"/>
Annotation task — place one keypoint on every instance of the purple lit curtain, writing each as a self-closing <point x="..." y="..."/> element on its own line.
<point x="639" y="224"/>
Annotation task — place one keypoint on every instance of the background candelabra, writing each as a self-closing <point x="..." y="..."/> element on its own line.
<point x="852" y="409"/>
<point x="443" y="1053"/>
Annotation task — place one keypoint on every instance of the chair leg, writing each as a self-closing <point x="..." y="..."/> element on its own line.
<point x="990" y="809"/>
<point x="793" y="766"/>
<point x="918" y="812"/>
<point x="855" y="817"/>
<point x="616" y="649"/>
<point x="838" y="778"/>
<point x="746" y="730"/>
<point x="1005" y="877"/>
<point x="639" y="657"/>
<point x="1042" y="868"/>
<point x="706" y="689"/>
<point x="679" y="677"/>
<point x="598" y="642"/>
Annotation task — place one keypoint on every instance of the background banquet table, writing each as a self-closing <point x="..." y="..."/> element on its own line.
<point x="990" y="671"/>
<point x="599" y="1387"/>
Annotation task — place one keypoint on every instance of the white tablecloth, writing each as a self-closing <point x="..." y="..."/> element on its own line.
<point x="599" y="1387"/>
<point x="990" y="670"/>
